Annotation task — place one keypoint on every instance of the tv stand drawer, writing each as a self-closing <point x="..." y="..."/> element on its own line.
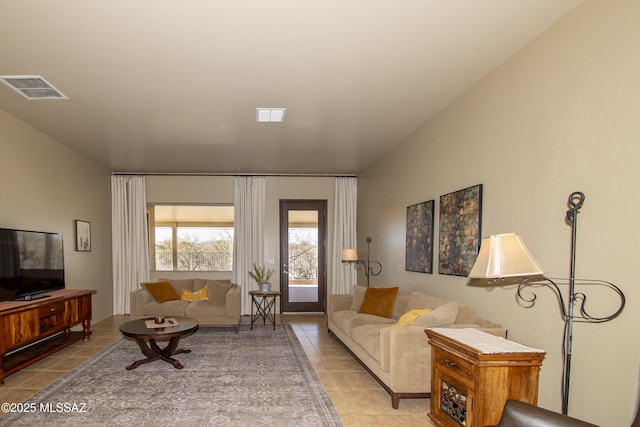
<point x="51" y="309"/>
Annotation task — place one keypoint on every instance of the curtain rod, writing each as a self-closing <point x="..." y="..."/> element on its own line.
<point x="311" y="175"/>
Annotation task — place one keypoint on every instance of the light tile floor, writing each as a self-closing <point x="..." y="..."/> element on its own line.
<point x="359" y="399"/>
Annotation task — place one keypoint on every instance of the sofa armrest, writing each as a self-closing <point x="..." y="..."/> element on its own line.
<point x="137" y="300"/>
<point x="517" y="413"/>
<point x="409" y="347"/>
<point x="337" y="302"/>
<point x="233" y="302"/>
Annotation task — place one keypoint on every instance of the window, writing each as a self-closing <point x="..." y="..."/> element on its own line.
<point x="303" y="254"/>
<point x="191" y="237"/>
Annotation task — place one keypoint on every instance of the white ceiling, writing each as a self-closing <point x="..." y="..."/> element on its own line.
<point x="172" y="86"/>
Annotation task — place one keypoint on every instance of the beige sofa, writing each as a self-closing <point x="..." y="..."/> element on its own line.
<point x="220" y="309"/>
<point x="398" y="357"/>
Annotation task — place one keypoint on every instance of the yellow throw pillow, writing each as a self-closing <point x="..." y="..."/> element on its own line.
<point x="409" y="317"/>
<point x="162" y="291"/>
<point x="379" y="301"/>
<point x="198" y="295"/>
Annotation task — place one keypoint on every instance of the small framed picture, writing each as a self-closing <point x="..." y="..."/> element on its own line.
<point x="83" y="236"/>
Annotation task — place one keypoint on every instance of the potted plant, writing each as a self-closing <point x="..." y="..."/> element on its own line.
<point x="261" y="275"/>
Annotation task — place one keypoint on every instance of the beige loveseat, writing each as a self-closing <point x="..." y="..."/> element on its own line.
<point x="398" y="357"/>
<point x="220" y="309"/>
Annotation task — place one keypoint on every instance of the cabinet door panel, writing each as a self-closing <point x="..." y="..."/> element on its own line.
<point x="20" y="328"/>
<point x="452" y="399"/>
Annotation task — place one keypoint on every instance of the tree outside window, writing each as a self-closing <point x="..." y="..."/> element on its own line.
<point x="193" y="246"/>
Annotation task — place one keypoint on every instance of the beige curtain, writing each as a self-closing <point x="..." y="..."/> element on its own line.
<point x="344" y="276"/>
<point x="130" y="249"/>
<point x="248" y="236"/>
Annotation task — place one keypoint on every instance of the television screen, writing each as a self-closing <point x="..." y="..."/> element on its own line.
<point x="31" y="263"/>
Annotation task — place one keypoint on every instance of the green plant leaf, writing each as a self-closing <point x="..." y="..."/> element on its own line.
<point x="260" y="274"/>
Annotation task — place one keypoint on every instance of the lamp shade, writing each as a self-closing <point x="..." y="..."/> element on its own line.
<point x="349" y="255"/>
<point x="504" y="255"/>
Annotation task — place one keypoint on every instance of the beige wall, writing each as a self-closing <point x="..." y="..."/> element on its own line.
<point x="562" y="115"/>
<point x="45" y="186"/>
<point x="219" y="189"/>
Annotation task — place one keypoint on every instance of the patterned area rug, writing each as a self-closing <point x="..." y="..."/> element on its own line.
<point x="254" y="378"/>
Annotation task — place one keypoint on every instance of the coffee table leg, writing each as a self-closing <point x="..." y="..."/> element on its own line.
<point x="151" y="355"/>
<point x="169" y="350"/>
<point x="154" y="352"/>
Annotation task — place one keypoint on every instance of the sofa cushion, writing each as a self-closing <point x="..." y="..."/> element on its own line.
<point x="402" y="301"/>
<point x="379" y="301"/>
<point x="348" y="320"/>
<point x="200" y="294"/>
<point x="420" y="300"/>
<point x="440" y="316"/>
<point x="180" y="284"/>
<point x="162" y="291"/>
<point x="466" y="314"/>
<point x="217" y="289"/>
<point x="169" y="308"/>
<point x="206" y="308"/>
<point x="410" y="316"/>
<point x="358" y="297"/>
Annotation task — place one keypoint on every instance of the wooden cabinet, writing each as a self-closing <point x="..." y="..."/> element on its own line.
<point x="473" y="374"/>
<point x="32" y="330"/>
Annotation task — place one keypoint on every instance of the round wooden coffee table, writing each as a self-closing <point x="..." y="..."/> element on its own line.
<point x="147" y="339"/>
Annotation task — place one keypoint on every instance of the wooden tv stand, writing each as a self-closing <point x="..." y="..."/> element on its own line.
<point x="32" y="330"/>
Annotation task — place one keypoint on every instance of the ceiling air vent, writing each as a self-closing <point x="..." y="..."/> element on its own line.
<point x="270" y="115"/>
<point x="32" y="87"/>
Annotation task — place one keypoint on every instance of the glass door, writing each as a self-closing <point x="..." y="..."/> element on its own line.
<point x="302" y="255"/>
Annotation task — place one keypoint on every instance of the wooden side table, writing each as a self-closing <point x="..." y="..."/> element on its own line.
<point x="264" y="303"/>
<point x="474" y="373"/>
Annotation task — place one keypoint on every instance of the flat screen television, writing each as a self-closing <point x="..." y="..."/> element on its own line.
<point x="31" y="264"/>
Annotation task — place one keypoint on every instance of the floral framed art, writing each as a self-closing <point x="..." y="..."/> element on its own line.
<point x="83" y="236"/>
<point x="419" y="244"/>
<point x="459" y="234"/>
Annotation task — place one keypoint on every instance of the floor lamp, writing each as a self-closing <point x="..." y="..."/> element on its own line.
<point x="506" y="256"/>
<point x="351" y="256"/>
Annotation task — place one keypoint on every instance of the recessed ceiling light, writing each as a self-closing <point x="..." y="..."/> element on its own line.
<point x="270" y="115"/>
<point x="32" y="87"/>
